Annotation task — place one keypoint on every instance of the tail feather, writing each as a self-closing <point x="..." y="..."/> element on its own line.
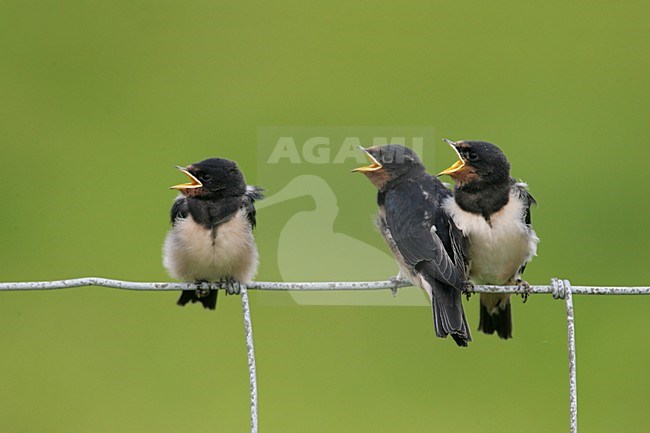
<point x="208" y="301"/>
<point x="496" y="315"/>
<point x="448" y="315"/>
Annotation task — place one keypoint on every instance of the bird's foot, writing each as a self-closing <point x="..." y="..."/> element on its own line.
<point x="468" y="289"/>
<point x="232" y="286"/>
<point x="396" y="280"/>
<point x="203" y="288"/>
<point x="523" y="288"/>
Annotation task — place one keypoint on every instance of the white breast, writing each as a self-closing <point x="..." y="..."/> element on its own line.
<point x="192" y="252"/>
<point x="499" y="248"/>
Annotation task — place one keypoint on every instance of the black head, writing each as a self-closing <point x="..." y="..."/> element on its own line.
<point x="479" y="163"/>
<point x="389" y="163"/>
<point x="212" y="178"/>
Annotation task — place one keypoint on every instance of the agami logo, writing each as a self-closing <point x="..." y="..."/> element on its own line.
<point x="310" y="166"/>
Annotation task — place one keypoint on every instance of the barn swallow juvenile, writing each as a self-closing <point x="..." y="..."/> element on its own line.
<point x="429" y="248"/>
<point x="211" y="239"/>
<point x="493" y="211"/>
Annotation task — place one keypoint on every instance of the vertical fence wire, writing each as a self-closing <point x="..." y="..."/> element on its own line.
<point x="250" y="350"/>
<point x="573" y="385"/>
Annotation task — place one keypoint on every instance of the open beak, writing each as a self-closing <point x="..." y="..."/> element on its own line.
<point x="193" y="183"/>
<point x="374" y="164"/>
<point x="458" y="165"/>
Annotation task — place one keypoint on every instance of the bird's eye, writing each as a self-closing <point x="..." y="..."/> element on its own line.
<point x="387" y="158"/>
<point x="206" y="177"/>
<point x="471" y="155"/>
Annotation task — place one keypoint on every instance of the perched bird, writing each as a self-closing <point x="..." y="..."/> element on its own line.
<point x="493" y="211"/>
<point x="429" y="248"/>
<point x="211" y="238"/>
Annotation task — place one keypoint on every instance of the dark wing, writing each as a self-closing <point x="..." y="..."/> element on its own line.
<point x="524" y="195"/>
<point x="459" y="246"/>
<point x="416" y="221"/>
<point x="179" y="209"/>
<point x="252" y="193"/>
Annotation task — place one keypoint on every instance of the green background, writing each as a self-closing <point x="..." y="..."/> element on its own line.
<point x="100" y="99"/>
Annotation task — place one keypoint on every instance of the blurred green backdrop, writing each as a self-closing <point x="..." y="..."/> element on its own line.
<point x="101" y="99"/>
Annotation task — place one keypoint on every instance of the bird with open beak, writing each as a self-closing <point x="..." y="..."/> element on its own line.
<point x="493" y="211"/>
<point x="211" y="239"/>
<point x="430" y="250"/>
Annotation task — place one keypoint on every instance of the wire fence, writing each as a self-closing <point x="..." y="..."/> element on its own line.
<point x="560" y="289"/>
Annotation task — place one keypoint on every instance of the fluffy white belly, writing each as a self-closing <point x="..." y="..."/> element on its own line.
<point x="192" y="252"/>
<point x="497" y="249"/>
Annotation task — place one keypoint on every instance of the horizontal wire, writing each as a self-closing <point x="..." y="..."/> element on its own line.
<point x="304" y="286"/>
